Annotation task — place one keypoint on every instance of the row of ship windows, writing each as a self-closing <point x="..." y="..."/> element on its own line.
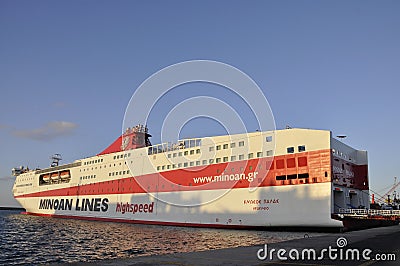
<point x="300" y="148"/>
<point x="116" y="157"/>
<point x="87" y="177"/>
<point x="118" y="173"/>
<point x="105" y="166"/>
<point x="93" y="162"/>
<point x="211" y="161"/>
<point x="233" y="144"/>
<point x="341" y="154"/>
<point x="24" y="179"/>
<point x="294" y="176"/>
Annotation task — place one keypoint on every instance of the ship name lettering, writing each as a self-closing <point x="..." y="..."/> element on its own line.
<point x="134" y="208"/>
<point x="252" y="201"/>
<point x="94" y="204"/>
<point x="267" y="201"/>
<point x="55" y="204"/>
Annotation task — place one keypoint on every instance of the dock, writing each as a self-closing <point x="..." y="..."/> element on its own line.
<point x="383" y="243"/>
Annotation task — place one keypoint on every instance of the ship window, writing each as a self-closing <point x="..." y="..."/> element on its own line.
<point x="250" y="155"/>
<point x="233" y="158"/>
<point x="127" y="171"/>
<point x="225" y="146"/>
<point x="185" y="164"/>
<point x="218" y="160"/>
<point x="250" y="167"/>
<point x="163" y="167"/>
<point x="291" y="163"/>
<point x="158" y="168"/>
<point x="280" y="164"/>
<point x="326" y="174"/>
<point x="191" y="163"/>
<point x="280" y="177"/>
<point x="211" y="149"/>
<point x="174" y="166"/>
<point x="179" y="165"/>
<point x="259" y="154"/>
<point x="197" y="163"/>
<point x="180" y="154"/>
<point x="301" y="148"/>
<point x="225" y="159"/>
<point x="241" y="143"/>
<point x="218" y="147"/>
<point x="168" y="166"/>
<point x="268" y="139"/>
<point x="290" y="150"/>
<point x="211" y="160"/>
<point x="191" y="152"/>
<point x="269" y="153"/>
<point x="292" y="176"/>
<point x="241" y="157"/>
<point x="169" y="155"/>
<point x="204" y="162"/>
<point x="233" y="145"/>
<point x="198" y="151"/>
<point x="314" y="180"/>
<point x="304" y="175"/>
<point x="174" y="155"/>
<point x="186" y="153"/>
<point x="302" y="161"/>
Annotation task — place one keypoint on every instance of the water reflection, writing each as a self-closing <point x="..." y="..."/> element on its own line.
<point x="32" y="240"/>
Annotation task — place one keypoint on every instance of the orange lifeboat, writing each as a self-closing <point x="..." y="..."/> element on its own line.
<point x="54" y="176"/>
<point x="46" y="178"/>
<point x="64" y="175"/>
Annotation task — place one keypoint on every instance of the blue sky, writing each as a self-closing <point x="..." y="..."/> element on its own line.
<point x="69" y="68"/>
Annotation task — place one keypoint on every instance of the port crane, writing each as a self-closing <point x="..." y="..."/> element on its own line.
<point x="386" y="198"/>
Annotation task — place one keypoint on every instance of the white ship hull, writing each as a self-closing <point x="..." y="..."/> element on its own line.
<point x="287" y="206"/>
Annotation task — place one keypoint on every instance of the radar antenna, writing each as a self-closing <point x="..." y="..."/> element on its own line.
<point x="56" y="158"/>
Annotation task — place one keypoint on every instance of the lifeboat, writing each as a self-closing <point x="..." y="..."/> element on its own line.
<point x="54" y="176"/>
<point x="46" y="178"/>
<point x="65" y="175"/>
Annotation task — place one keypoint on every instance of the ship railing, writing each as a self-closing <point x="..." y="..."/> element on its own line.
<point x="58" y="168"/>
<point x="353" y="211"/>
<point x="370" y="212"/>
<point x="168" y="146"/>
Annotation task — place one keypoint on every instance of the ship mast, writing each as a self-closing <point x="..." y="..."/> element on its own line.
<point x="56" y="158"/>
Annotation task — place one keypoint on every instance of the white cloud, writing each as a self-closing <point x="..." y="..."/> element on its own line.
<point x="47" y="132"/>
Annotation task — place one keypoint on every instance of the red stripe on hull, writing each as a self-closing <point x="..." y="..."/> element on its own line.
<point x="317" y="164"/>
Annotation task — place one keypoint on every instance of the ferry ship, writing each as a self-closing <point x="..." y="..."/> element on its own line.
<point x="282" y="178"/>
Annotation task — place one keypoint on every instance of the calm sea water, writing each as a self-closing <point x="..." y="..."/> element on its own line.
<point x="26" y="239"/>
